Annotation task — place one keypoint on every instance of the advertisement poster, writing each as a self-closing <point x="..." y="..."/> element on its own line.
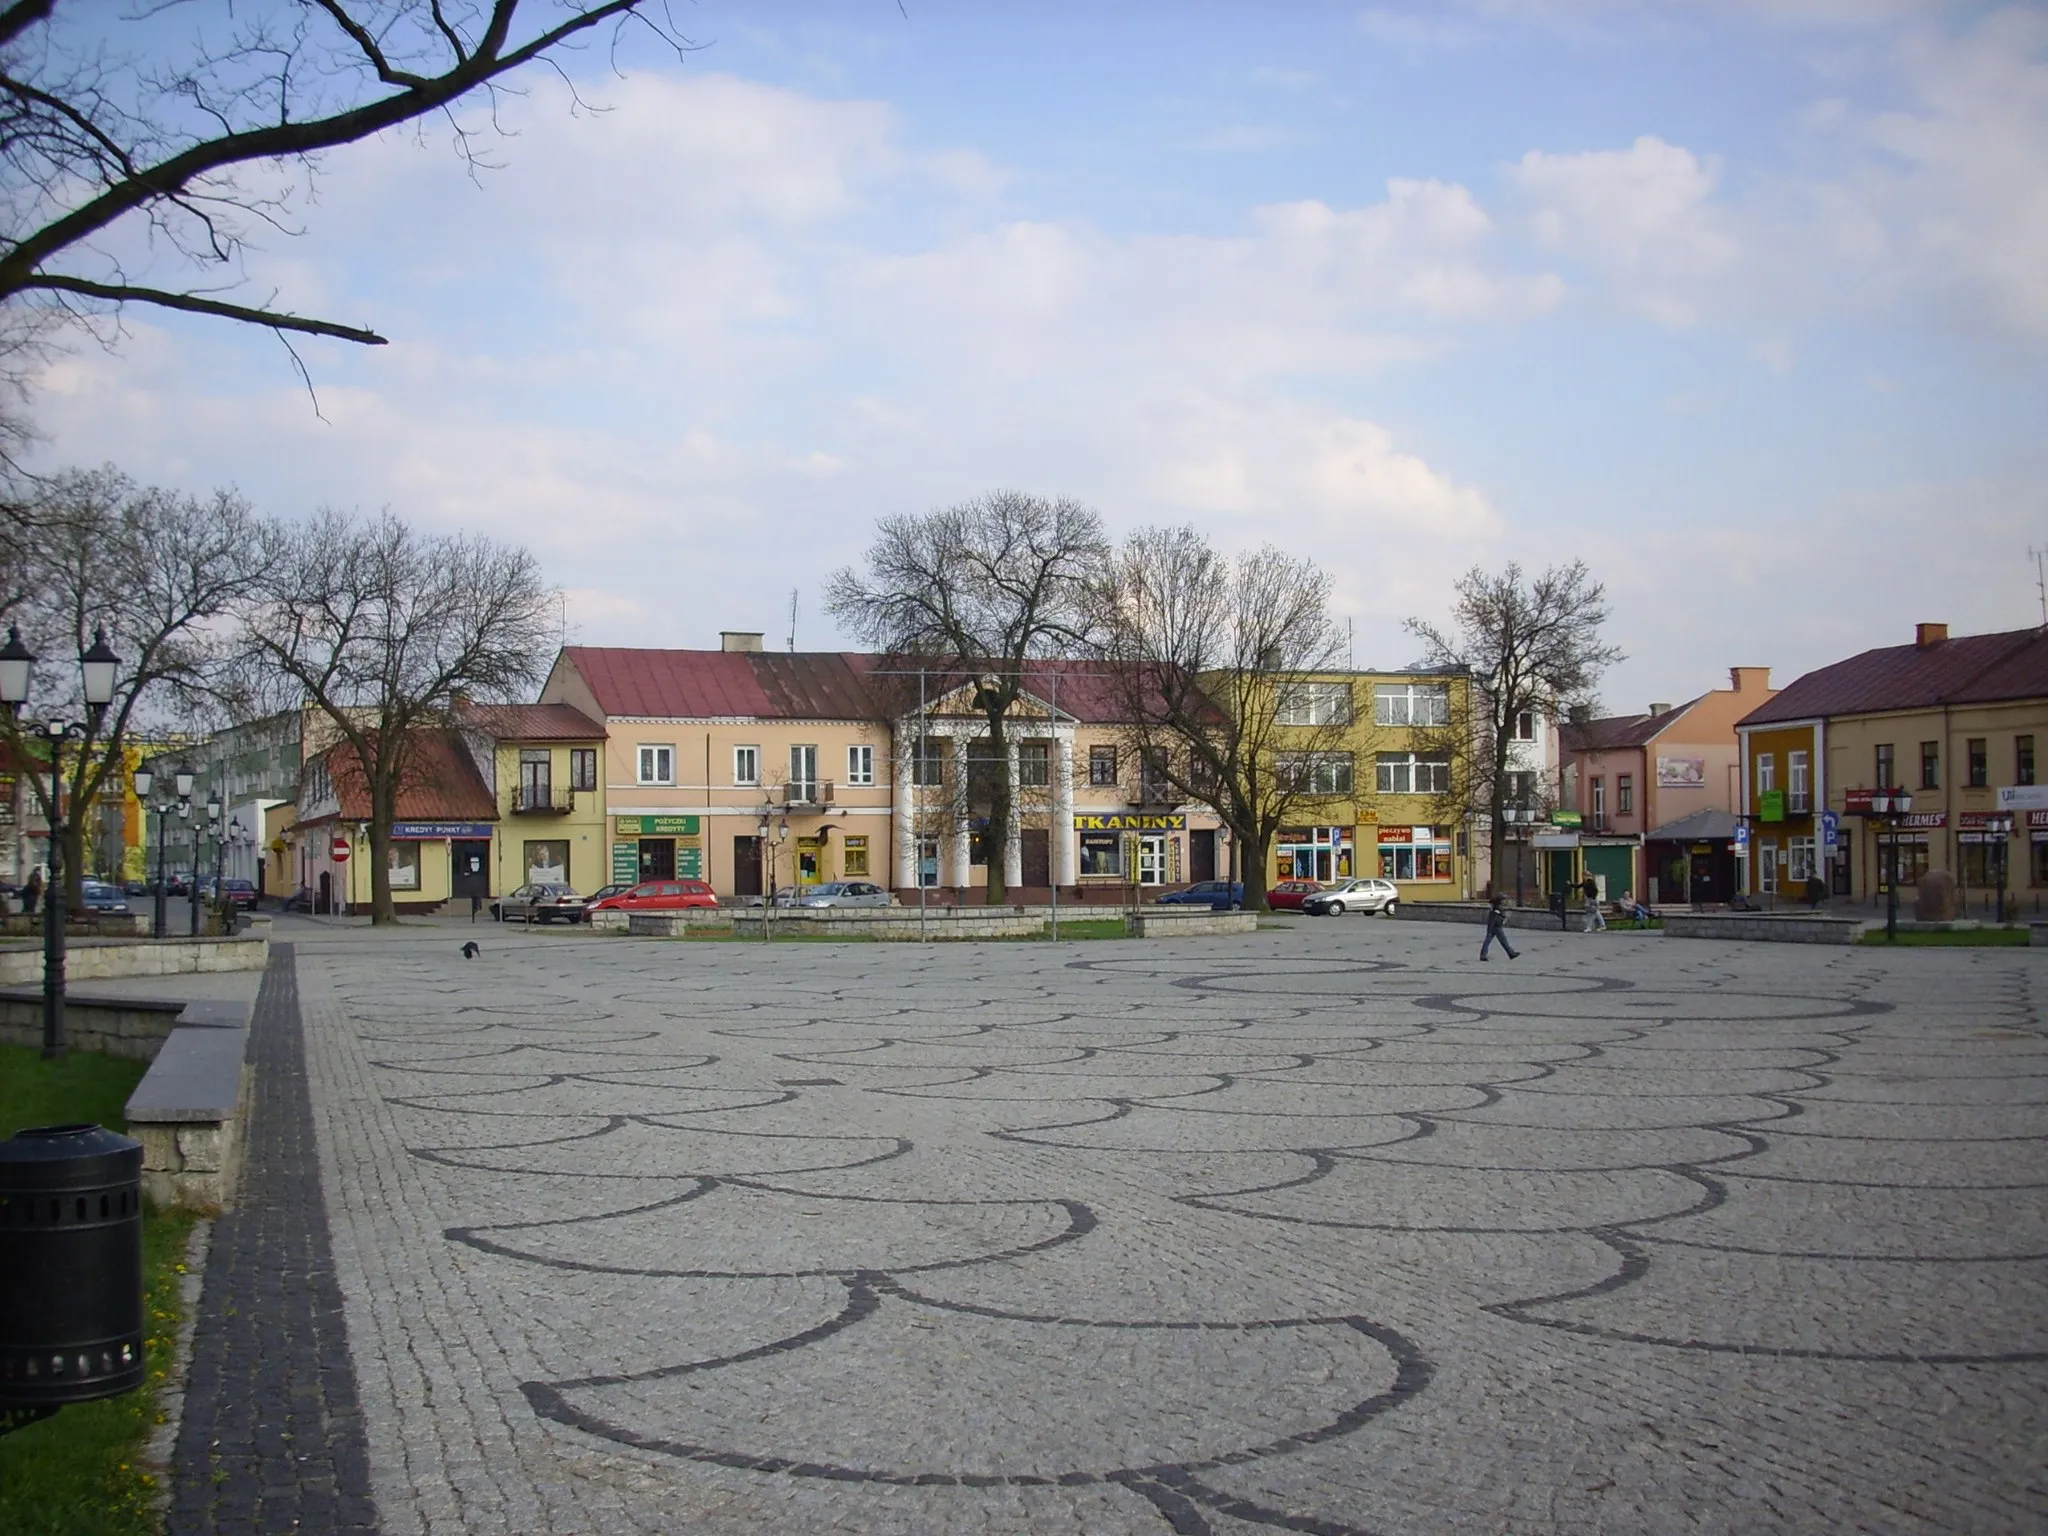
<point x="1681" y="773"/>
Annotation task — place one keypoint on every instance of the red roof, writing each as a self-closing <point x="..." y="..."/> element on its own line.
<point x="440" y="782"/>
<point x="1611" y="732"/>
<point x="1970" y="669"/>
<point x="531" y="722"/>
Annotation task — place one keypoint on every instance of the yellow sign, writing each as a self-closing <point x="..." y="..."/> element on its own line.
<point x="1132" y="821"/>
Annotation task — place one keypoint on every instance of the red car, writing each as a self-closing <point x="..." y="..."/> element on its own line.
<point x="658" y="896"/>
<point x="1288" y="895"/>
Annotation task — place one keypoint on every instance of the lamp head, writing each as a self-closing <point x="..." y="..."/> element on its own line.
<point x="184" y="778"/>
<point x="99" y="666"/>
<point x="17" y="666"/>
<point x="213" y="807"/>
<point x="143" y="779"/>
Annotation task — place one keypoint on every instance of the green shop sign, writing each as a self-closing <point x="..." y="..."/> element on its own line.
<point x="625" y="863"/>
<point x="1566" y="819"/>
<point x="1770" y="805"/>
<point x="658" y="826"/>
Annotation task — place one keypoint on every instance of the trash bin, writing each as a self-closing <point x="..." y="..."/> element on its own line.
<point x="70" y="1266"/>
<point x="1557" y="906"/>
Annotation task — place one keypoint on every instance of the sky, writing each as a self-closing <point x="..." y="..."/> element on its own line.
<point x="1743" y="304"/>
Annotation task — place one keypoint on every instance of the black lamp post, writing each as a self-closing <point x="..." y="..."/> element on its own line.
<point x="97" y="666"/>
<point x="181" y="780"/>
<point x="1518" y="818"/>
<point x="1999" y="829"/>
<point x="210" y="826"/>
<point x="1890" y="807"/>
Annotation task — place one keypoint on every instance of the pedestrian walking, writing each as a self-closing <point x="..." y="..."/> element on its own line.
<point x="1595" y="918"/>
<point x="32" y="892"/>
<point x="1496" y="929"/>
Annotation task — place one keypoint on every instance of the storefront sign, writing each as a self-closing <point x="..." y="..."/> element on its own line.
<point x="425" y="831"/>
<point x="2023" y="797"/>
<point x="657" y="826"/>
<point x="2037" y="821"/>
<point x="1407" y="834"/>
<point x="1927" y="820"/>
<point x="1132" y="821"/>
<point x="1554" y="842"/>
<point x="1566" y="819"/>
<point x="1770" y="805"/>
<point x="625" y="863"/>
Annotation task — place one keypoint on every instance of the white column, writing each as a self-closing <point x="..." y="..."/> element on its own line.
<point x="1063" y="846"/>
<point x="962" y="873"/>
<point x="1013" y="825"/>
<point x="903" y="809"/>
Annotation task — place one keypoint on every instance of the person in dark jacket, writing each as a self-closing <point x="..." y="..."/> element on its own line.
<point x="32" y="892"/>
<point x="1496" y="929"/>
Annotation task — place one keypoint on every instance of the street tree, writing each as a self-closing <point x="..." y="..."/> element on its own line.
<point x="382" y="631"/>
<point x="154" y="572"/>
<point x="1533" y="647"/>
<point x="974" y="591"/>
<point x="1214" y="659"/>
<point x="172" y="131"/>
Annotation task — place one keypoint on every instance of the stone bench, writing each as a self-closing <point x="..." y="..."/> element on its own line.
<point x="1186" y="922"/>
<point x="191" y="1108"/>
<point x="665" y="925"/>
<point x="1764" y="927"/>
<point x="1475" y="912"/>
<point x="108" y="959"/>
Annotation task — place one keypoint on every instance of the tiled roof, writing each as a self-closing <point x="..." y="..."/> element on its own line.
<point x="1969" y="669"/>
<point x="440" y="782"/>
<point x="531" y="722"/>
<point x="1615" y="731"/>
<point x="1707" y="826"/>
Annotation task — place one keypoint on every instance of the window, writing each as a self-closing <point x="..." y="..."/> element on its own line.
<point x="746" y="765"/>
<point x="1414" y="773"/>
<point x="583" y="768"/>
<point x="1521" y="786"/>
<point x="1599" y="802"/>
<point x="1317" y="773"/>
<point x="1930" y="765"/>
<point x="928" y="763"/>
<point x="1102" y="767"/>
<point x="1885" y="776"/>
<point x="1525" y="725"/>
<point x="860" y="765"/>
<point x="1102" y="853"/>
<point x="2023" y="759"/>
<point x="1797" y="786"/>
<point x="1980" y="762"/>
<point x="404" y="866"/>
<point x="855" y="860"/>
<point x="536" y="770"/>
<point x="1766" y="772"/>
<point x="803" y="773"/>
<point x="1153" y="781"/>
<point x="1767" y="868"/>
<point x="1803" y="868"/>
<point x="657" y="765"/>
<point x="1426" y="857"/>
<point x="1412" y="704"/>
<point x="1034" y="764"/>
<point x="1315" y="704"/>
<point x="1624" y="793"/>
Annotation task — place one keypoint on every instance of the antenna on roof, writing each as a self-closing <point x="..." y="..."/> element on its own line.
<point x="792" y="618"/>
<point x="2040" y="559"/>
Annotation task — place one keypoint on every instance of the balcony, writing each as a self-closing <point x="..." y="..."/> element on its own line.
<point x="542" y="800"/>
<point x="807" y="792"/>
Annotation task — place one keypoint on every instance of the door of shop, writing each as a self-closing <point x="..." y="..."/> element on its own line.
<point x="1152" y="860"/>
<point x="1202" y="854"/>
<point x="469" y="868"/>
<point x="657" y="858"/>
<point x="1035" y="853"/>
<point x="1616" y="865"/>
<point x="746" y="866"/>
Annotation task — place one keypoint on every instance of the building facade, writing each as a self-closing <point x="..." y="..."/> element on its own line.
<point x="544" y="766"/>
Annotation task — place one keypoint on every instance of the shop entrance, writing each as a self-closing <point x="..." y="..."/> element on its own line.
<point x="1152" y="859"/>
<point x="657" y="858"/>
<point x="746" y="866"/>
<point x="810" y="860"/>
<point x="469" y="868"/>
<point x="1035" y="855"/>
<point x="1202" y="854"/>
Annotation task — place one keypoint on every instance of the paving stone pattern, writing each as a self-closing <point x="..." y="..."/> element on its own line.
<point x="272" y="1438"/>
<point x="1333" y="1229"/>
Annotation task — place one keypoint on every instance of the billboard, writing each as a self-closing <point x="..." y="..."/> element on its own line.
<point x="1681" y="773"/>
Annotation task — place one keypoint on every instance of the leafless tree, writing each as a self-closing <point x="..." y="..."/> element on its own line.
<point x="1532" y="646"/>
<point x="379" y="629"/>
<point x="183" y="125"/>
<point x="1215" y="660"/>
<point x="978" y="589"/>
<point x="155" y="572"/>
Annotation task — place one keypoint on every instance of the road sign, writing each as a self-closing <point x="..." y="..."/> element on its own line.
<point x="1830" y="829"/>
<point x="338" y="850"/>
<point x="1741" y="834"/>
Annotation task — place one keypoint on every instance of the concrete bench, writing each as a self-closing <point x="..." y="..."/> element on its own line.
<point x="190" y="1110"/>
<point x="1475" y="912"/>
<point x="1186" y="922"/>
<point x="1764" y="927"/>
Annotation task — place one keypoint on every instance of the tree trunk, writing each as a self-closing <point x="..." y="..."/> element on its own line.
<point x="73" y="855"/>
<point x="383" y="800"/>
<point x="1001" y="792"/>
<point x="1257" y="851"/>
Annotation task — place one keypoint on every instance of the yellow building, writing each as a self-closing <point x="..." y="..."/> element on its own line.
<point x="544" y="763"/>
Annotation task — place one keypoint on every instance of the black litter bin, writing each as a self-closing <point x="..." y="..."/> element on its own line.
<point x="70" y="1266"/>
<point x="1557" y="907"/>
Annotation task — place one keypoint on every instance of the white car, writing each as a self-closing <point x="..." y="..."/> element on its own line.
<point x="1361" y="895"/>
<point x="845" y="893"/>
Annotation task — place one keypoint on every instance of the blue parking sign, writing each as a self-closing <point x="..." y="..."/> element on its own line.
<point x="1830" y="829"/>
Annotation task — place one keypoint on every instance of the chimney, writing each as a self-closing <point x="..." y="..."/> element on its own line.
<point x="1580" y="714"/>
<point x="1748" y="679"/>
<point x="739" y="640"/>
<point x="1660" y="709"/>
<point x="1925" y="635"/>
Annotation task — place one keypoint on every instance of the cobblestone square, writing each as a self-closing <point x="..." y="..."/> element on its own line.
<point x="1330" y="1228"/>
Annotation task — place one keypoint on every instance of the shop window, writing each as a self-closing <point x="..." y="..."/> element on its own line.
<point x="657" y="765"/>
<point x="547" y="862"/>
<point x="1930" y="765"/>
<point x="1102" y="853"/>
<point x="583" y="768"/>
<point x="1102" y="767"/>
<point x="1766" y="772"/>
<point x="1979" y="749"/>
<point x="855" y="859"/>
<point x="1624" y="793"/>
<point x="1767" y="868"/>
<point x="1416" y="861"/>
<point x="1315" y="704"/>
<point x="1798" y="787"/>
<point x="977" y="849"/>
<point x="1317" y="773"/>
<point x="1800" y="858"/>
<point x="1413" y="704"/>
<point x="1886" y="777"/>
<point x="928" y="763"/>
<point x="860" y="765"/>
<point x="1414" y="773"/>
<point x="405" y="866"/>
<point x="1034" y="765"/>
<point x="2040" y="863"/>
<point x="2023" y="759"/>
<point x="928" y="861"/>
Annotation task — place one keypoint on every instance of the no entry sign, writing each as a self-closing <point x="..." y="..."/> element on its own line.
<point x="338" y="850"/>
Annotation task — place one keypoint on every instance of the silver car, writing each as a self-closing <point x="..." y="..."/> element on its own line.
<point x="845" y="893"/>
<point x="541" y="903"/>
<point x="1356" y="895"/>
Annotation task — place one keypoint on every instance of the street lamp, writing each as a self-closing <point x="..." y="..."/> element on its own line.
<point x="1891" y="806"/>
<point x="211" y="828"/>
<point x="1518" y="818"/>
<point x="97" y="667"/>
<point x="1998" y="826"/>
<point x="181" y="781"/>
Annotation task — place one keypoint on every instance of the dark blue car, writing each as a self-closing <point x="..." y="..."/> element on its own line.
<point x="1217" y="895"/>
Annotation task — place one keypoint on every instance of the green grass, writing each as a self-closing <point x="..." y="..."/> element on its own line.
<point x="1954" y="938"/>
<point x="79" y="1473"/>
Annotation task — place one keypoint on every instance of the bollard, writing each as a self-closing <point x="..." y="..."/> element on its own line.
<point x="70" y="1267"/>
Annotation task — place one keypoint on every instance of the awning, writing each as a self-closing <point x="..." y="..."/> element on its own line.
<point x="1699" y="827"/>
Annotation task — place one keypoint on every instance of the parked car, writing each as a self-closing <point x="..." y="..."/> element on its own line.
<point x="541" y="903"/>
<point x="655" y="896"/>
<point x="1217" y="895"/>
<point x="608" y="890"/>
<point x="1358" y="895"/>
<point x="100" y="896"/>
<point x="1288" y="895"/>
<point x="844" y="893"/>
<point x="240" y="893"/>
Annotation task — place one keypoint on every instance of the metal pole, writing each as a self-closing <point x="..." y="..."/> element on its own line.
<point x="1891" y="884"/>
<point x="195" y="879"/>
<point x="1052" y="861"/>
<point x="917" y="789"/>
<point x="53" y="912"/>
<point x="159" y="925"/>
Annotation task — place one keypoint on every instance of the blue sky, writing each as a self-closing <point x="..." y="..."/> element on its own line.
<point x="1745" y="304"/>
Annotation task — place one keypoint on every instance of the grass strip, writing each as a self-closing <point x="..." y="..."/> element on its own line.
<point x="80" y="1473"/>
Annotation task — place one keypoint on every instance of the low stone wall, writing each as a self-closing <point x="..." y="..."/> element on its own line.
<point x="665" y="925"/>
<point x="130" y="1027"/>
<point x="894" y="922"/>
<point x="107" y="959"/>
<point x="1186" y="922"/>
<point x="191" y="1108"/>
<point x="96" y="925"/>
<point x="1764" y="927"/>
<point x="1475" y="912"/>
